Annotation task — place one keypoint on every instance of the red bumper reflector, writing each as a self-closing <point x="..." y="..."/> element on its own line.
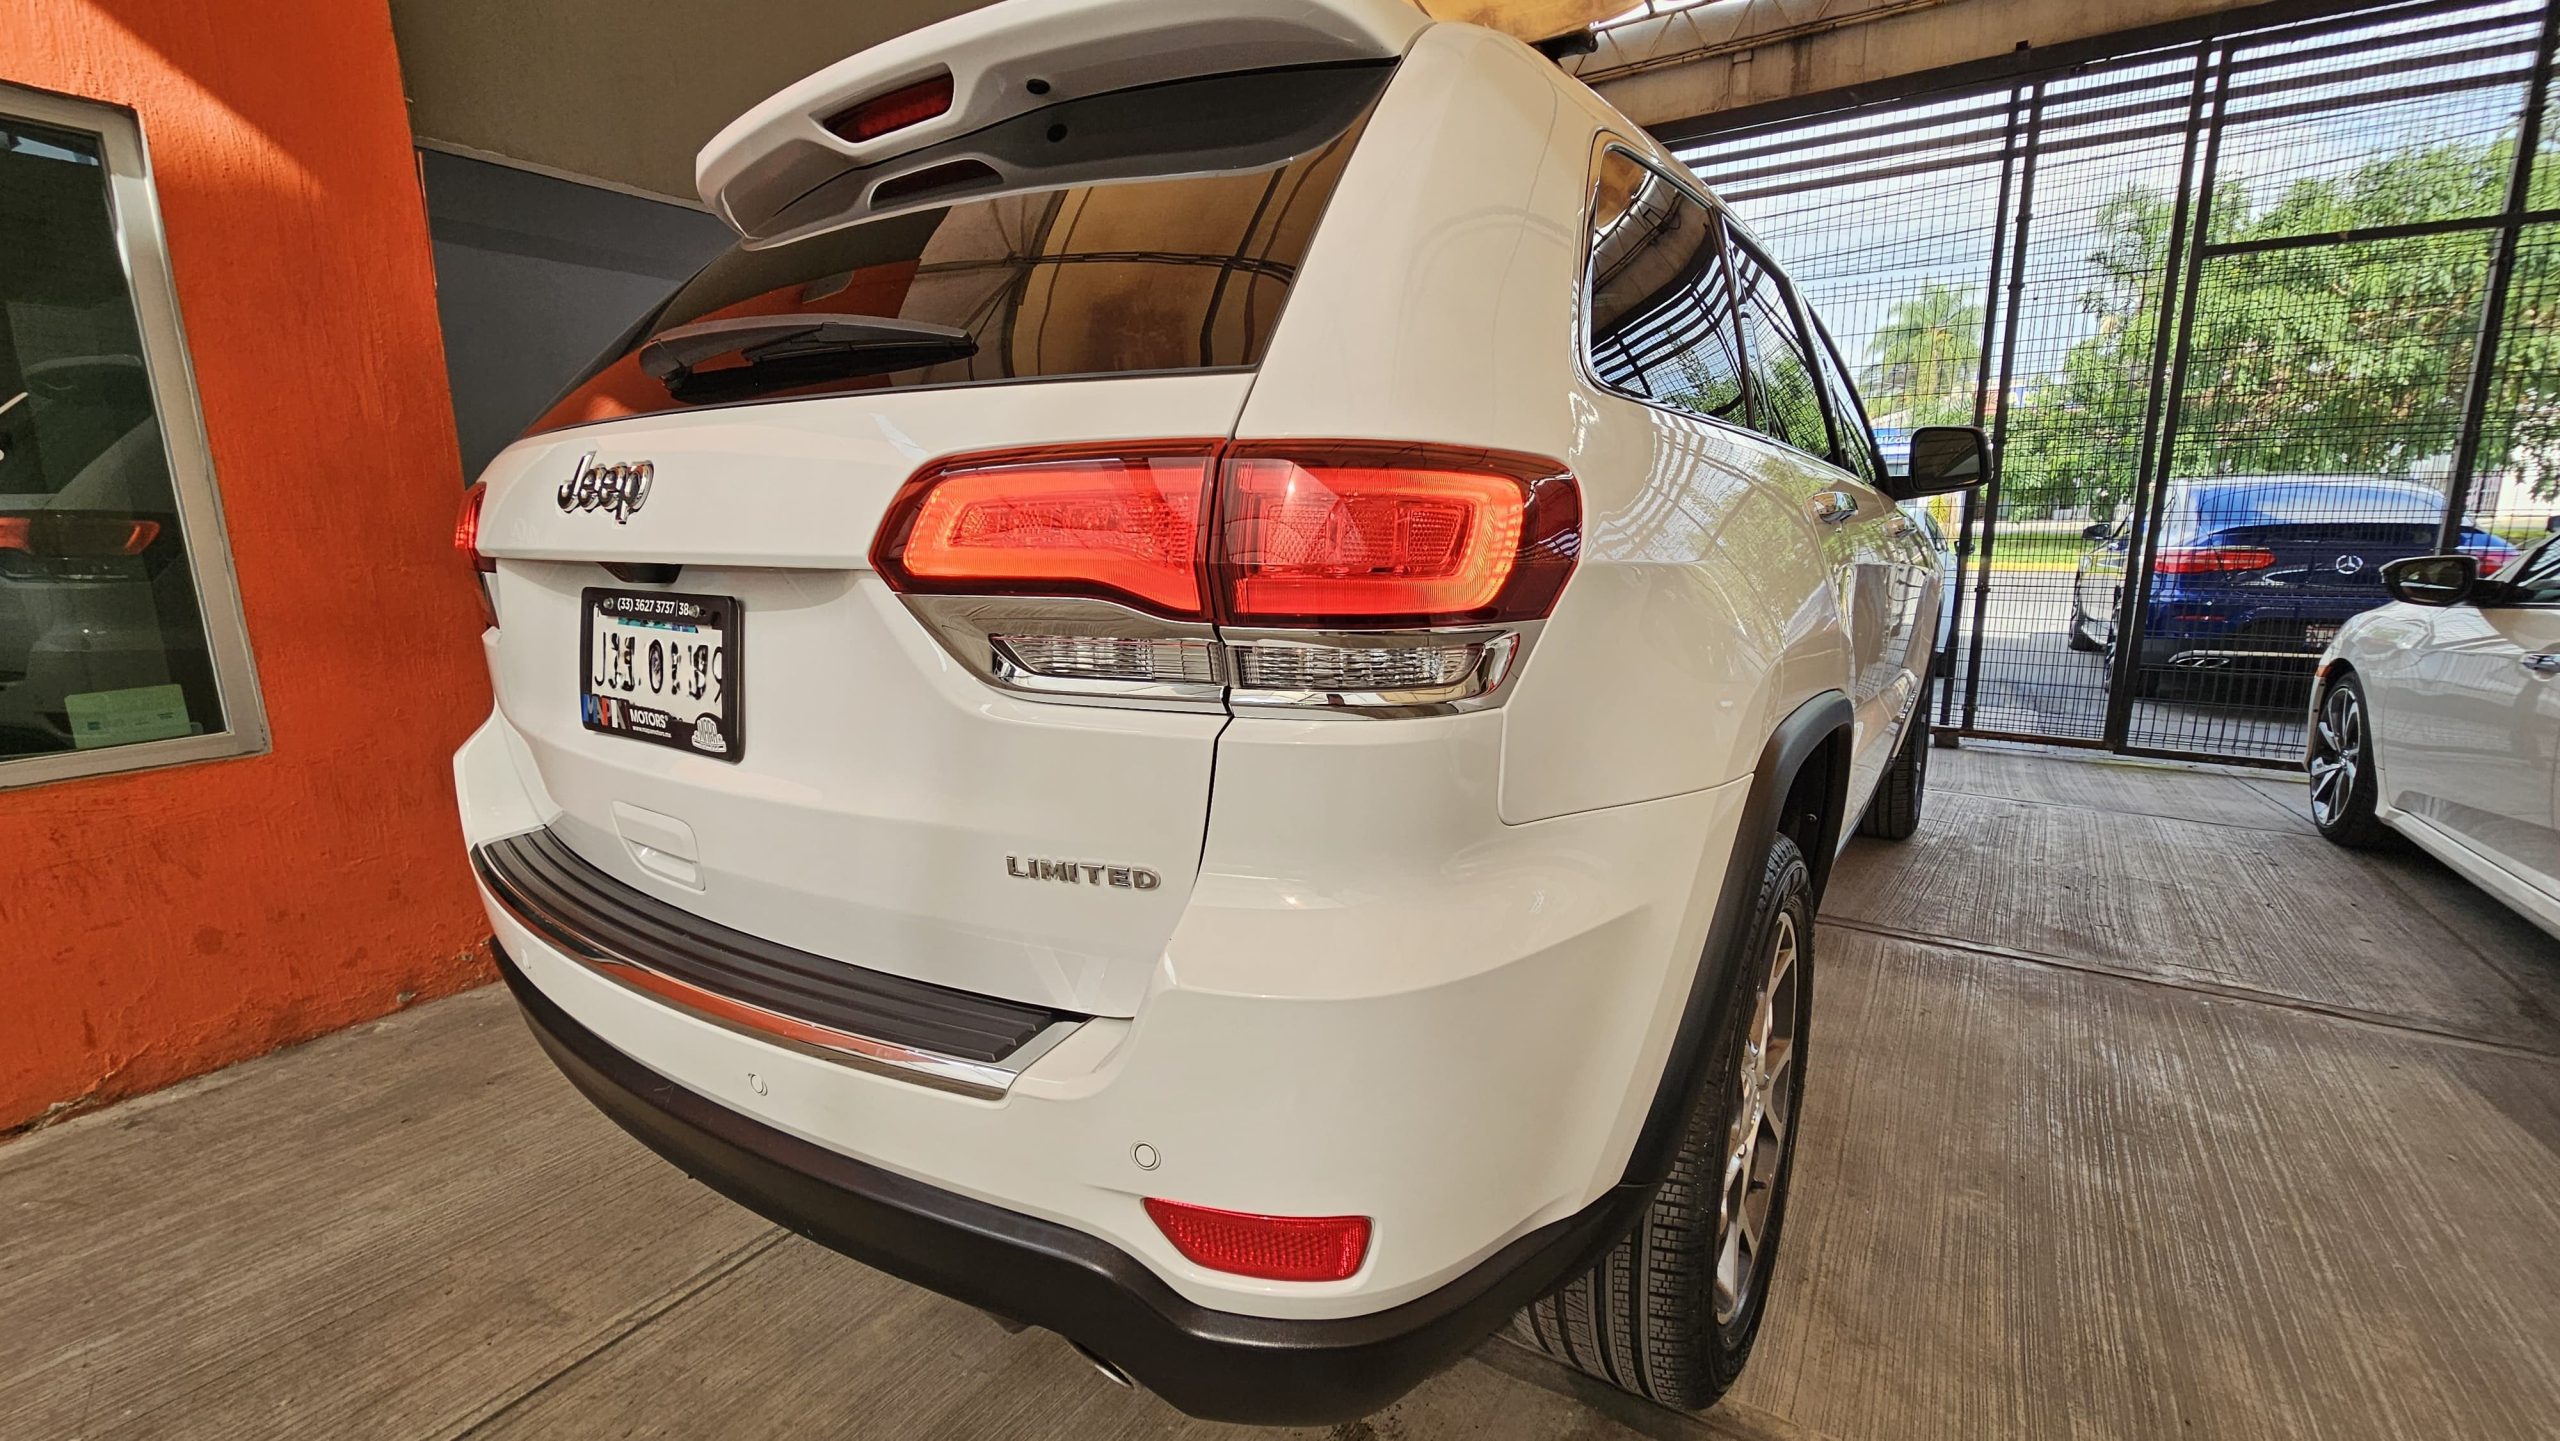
<point x="1269" y="1248"/>
<point x="907" y="105"/>
<point x="1116" y="527"/>
<point x="466" y="529"/>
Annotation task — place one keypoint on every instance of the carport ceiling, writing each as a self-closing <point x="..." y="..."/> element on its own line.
<point x="625" y="94"/>
<point x="616" y="92"/>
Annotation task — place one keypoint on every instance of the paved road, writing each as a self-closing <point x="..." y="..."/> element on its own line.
<point x="2032" y="683"/>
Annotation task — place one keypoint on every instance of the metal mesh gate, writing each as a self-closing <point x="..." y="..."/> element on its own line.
<point x="2248" y="317"/>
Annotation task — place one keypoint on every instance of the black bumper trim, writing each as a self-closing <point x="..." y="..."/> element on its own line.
<point x="1212" y="1364"/>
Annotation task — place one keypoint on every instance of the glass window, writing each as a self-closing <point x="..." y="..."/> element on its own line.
<point x="2538" y="579"/>
<point x="113" y="652"/>
<point x="1661" y="318"/>
<point x="1787" y="402"/>
<point x="1857" y="448"/>
<point x="1117" y="277"/>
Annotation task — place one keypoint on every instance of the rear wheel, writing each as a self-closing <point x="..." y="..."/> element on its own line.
<point x="1670" y="1313"/>
<point x="2341" y="765"/>
<point x="1894" y="812"/>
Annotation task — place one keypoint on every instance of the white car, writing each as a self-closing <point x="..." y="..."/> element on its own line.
<point x="1202" y="699"/>
<point x="2439" y="717"/>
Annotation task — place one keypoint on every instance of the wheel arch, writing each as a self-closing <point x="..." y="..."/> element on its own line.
<point x="1800" y="789"/>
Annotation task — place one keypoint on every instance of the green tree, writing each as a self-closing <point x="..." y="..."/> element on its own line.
<point x="2334" y="358"/>
<point x="1924" y="362"/>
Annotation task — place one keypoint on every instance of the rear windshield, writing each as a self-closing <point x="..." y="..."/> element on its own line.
<point x="1116" y="277"/>
<point x="2317" y="502"/>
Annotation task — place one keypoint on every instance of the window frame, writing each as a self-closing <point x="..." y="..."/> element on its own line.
<point x="2548" y="550"/>
<point x="133" y="210"/>
<point x="1602" y="145"/>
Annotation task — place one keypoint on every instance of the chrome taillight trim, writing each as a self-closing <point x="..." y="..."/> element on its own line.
<point x="1500" y="652"/>
<point x="971" y="629"/>
<point x="966" y="626"/>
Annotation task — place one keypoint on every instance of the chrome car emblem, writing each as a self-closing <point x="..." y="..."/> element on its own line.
<point x="618" y="490"/>
<point x="2347" y="564"/>
<point x="1089" y="873"/>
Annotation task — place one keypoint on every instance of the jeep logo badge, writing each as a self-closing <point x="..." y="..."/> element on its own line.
<point x="1085" y="873"/>
<point x="617" y="490"/>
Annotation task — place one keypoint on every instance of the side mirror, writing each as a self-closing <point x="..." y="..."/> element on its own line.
<point x="2437" y="580"/>
<point x="1945" y="458"/>
<point x="2100" y="531"/>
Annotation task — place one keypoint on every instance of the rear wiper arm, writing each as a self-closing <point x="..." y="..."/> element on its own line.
<point x="787" y="350"/>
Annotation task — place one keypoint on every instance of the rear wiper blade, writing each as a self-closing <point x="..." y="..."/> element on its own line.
<point x="782" y="351"/>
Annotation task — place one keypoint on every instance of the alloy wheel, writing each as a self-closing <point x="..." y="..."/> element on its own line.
<point x="2337" y="754"/>
<point x="1763" y="1117"/>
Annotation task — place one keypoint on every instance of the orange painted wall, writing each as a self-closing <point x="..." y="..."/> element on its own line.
<point x="162" y="923"/>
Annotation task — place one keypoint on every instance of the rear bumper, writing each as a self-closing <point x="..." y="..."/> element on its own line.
<point x="1457" y="1034"/>
<point x="1210" y="1363"/>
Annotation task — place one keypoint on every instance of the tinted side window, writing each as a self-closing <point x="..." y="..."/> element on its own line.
<point x="2539" y="577"/>
<point x="1661" y="317"/>
<point x="1857" y="452"/>
<point x="1786" y="391"/>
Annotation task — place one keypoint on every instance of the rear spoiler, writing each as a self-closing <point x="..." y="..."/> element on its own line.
<point x="888" y="129"/>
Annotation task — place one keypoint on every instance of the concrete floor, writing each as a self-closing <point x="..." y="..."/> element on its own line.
<point x="2135" y="1110"/>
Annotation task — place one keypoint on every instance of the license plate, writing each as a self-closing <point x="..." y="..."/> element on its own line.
<point x="2319" y="635"/>
<point x="662" y="667"/>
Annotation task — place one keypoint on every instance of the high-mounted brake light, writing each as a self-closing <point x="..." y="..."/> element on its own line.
<point x="2211" y="559"/>
<point x="907" y="105"/>
<point x="466" y="529"/>
<point x="1269" y="1248"/>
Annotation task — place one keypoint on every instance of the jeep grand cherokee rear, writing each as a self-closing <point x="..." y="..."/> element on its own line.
<point x="1105" y="715"/>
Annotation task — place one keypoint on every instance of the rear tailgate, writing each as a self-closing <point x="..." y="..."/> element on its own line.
<point x="728" y="705"/>
<point x="880" y="798"/>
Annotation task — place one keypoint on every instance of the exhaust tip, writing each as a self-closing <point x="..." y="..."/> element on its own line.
<point x="1110" y="1372"/>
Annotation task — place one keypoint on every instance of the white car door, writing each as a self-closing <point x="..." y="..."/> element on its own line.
<point x="1865" y="536"/>
<point x="2470" y="726"/>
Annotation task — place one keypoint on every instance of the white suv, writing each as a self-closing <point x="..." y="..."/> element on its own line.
<point x="1202" y="697"/>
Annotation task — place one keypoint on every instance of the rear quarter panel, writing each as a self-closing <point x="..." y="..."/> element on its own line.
<point x="1441" y="302"/>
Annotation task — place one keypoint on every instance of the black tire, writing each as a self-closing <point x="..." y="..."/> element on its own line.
<point x="2080" y="639"/>
<point x="1649" y="1318"/>
<point x="1893" y="813"/>
<point x="2343" y="791"/>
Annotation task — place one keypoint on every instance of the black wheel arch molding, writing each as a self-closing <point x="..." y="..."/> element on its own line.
<point x="1815" y="732"/>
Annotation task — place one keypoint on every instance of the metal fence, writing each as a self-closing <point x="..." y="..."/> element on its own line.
<point x="2248" y="317"/>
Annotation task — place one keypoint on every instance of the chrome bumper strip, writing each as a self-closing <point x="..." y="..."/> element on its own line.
<point x="987" y="1079"/>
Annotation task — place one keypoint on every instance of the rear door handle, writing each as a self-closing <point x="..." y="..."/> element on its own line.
<point x="1833" y="506"/>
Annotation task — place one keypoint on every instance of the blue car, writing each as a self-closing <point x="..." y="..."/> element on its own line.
<point x="2256" y="573"/>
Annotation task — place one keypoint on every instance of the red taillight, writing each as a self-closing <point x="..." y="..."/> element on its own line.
<point x="1357" y="536"/>
<point x="1303" y="535"/>
<point x="2211" y="559"/>
<point x="907" y="105"/>
<point x="1270" y="1248"/>
<point x="76" y="535"/>
<point x="466" y="529"/>
<point x="1118" y="526"/>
